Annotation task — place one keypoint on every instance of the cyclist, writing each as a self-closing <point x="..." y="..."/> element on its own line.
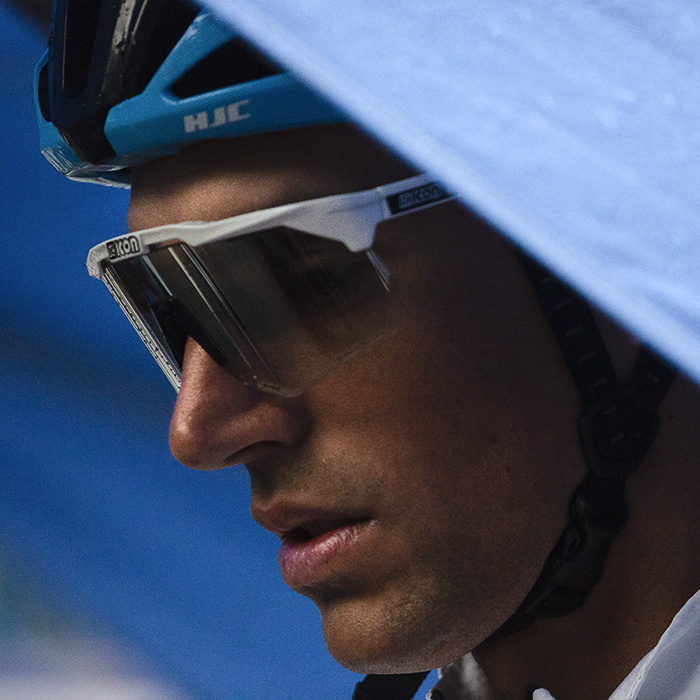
<point x="466" y="466"/>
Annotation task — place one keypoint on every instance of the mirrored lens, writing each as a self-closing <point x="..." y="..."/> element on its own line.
<point x="280" y="308"/>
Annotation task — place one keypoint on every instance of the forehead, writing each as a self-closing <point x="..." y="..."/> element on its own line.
<point x="221" y="178"/>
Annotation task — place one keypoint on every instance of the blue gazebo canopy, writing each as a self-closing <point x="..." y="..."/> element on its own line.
<point x="573" y="127"/>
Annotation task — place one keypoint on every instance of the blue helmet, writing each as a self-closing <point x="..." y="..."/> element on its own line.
<point x="124" y="82"/>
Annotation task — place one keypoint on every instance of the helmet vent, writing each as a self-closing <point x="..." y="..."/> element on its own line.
<point x="43" y="93"/>
<point x="82" y="18"/>
<point x="169" y="24"/>
<point x="233" y="63"/>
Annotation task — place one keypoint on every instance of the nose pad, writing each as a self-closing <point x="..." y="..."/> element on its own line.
<point x="217" y="419"/>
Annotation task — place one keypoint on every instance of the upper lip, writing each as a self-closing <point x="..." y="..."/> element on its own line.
<point x="282" y="519"/>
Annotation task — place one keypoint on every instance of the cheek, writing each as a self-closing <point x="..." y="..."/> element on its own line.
<point x="466" y="423"/>
<point x="469" y="409"/>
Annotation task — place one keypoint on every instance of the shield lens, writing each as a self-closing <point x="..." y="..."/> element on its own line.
<point x="280" y="308"/>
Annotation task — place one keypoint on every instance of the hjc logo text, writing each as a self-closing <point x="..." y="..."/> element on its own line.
<point x="219" y="117"/>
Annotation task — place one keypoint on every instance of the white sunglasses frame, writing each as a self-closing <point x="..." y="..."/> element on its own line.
<point x="349" y="218"/>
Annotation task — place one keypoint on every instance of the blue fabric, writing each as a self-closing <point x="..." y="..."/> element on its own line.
<point x="92" y="505"/>
<point x="574" y="127"/>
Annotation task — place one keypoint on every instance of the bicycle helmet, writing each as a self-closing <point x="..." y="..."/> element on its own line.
<point x="124" y="82"/>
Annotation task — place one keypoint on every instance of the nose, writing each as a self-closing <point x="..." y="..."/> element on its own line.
<point x="218" y="421"/>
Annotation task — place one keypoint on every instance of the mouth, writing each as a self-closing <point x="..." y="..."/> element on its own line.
<point x="313" y="552"/>
<point x="315" y="529"/>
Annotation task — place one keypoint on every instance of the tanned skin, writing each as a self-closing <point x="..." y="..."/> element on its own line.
<point x="452" y="442"/>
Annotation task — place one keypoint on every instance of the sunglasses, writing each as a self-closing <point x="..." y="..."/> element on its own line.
<point x="280" y="297"/>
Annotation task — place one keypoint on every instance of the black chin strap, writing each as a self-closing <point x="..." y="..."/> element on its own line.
<point x="617" y="425"/>
<point x="402" y="686"/>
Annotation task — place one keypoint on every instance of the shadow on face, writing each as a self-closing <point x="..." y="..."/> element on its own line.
<point x="431" y="474"/>
<point x="220" y="178"/>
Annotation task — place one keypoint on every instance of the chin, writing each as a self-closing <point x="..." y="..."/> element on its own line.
<point x="362" y="659"/>
<point x="366" y="641"/>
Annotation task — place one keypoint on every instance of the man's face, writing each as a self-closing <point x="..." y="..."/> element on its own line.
<point x="419" y="488"/>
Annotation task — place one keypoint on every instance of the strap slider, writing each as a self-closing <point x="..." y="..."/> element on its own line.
<point x="617" y="431"/>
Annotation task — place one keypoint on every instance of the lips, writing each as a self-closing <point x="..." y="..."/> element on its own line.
<point x="312" y="553"/>
<point x="316" y="543"/>
<point x="314" y="529"/>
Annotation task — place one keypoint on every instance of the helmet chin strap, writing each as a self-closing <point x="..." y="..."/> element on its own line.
<point x="617" y="425"/>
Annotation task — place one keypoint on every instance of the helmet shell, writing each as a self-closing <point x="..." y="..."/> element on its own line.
<point x="159" y="120"/>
